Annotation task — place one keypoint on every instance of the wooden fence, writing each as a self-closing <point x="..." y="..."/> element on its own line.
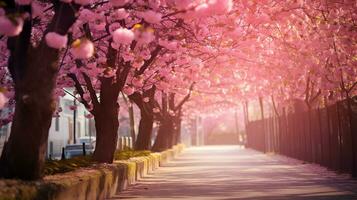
<point x="326" y="136"/>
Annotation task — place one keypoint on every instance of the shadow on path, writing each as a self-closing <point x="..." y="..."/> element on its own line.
<point x="231" y="172"/>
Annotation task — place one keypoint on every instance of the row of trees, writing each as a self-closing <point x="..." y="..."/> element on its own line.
<point x="302" y="57"/>
<point x="101" y="48"/>
<point x="160" y="54"/>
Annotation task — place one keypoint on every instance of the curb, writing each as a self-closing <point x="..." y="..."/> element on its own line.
<point x="98" y="182"/>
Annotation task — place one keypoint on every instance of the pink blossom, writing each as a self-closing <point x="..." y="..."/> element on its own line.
<point x="87" y="15"/>
<point x="82" y="49"/>
<point x="170" y="45"/>
<point x="137" y="82"/>
<point x="37" y="9"/>
<point x="119" y="2"/>
<point x="89" y="116"/>
<point x="87" y="97"/>
<point x="55" y="40"/>
<point x="102" y="60"/>
<point x="121" y="14"/>
<point x="202" y="10"/>
<point x="73" y="107"/>
<point x="156" y="110"/>
<point x="100" y="26"/>
<point x="144" y="37"/>
<point x="151" y="16"/>
<point x="23" y="2"/>
<point x="123" y="36"/>
<point x="83" y="2"/>
<point x="128" y="56"/>
<point x="182" y="4"/>
<point x="146" y="99"/>
<point x="171" y="112"/>
<point x="128" y="90"/>
<point x="10" y="28"/>
<point x="220" y="6"/>
<point x="109" y="72"/>
<point x="138" y="63"/>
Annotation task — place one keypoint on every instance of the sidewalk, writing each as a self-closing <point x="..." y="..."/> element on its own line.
<point x="231" y="172"/>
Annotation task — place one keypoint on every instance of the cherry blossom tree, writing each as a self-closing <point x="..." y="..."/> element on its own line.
<point x="160" y="54"/>
<point x="30" y="38"/>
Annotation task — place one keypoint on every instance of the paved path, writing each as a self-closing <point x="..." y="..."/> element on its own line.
<point x="229" y="172"/>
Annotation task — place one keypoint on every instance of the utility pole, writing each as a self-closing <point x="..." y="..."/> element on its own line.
<point x="74" y="121"/>
<point x="237" y="124"/>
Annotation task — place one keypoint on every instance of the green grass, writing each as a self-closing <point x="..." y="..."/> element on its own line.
<point x="62" y="166"/>
<point x="129" y="153"/>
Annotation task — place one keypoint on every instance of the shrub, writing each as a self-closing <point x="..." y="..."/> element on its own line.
<point x="129" y="153"/>
<point x="62" y="166"/>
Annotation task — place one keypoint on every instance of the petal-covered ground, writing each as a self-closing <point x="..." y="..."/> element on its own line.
<point x="232" y="172"/>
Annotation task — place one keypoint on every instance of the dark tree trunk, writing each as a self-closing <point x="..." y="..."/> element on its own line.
<point x="143" y="141"/>
<point x="163" y="139"/>
<point x="106" y="111"/>
<point x="132" y="123"/>
<point x="261" y="103"/>
<point x="34" y="72"/>
<point x="160" y="143"/>
<point x="106" y="122"/>
<point x="24" y="154"/>
<point x="170" y="132"/>
<point x="177" y="131"/>
<point x="352" y="135"/>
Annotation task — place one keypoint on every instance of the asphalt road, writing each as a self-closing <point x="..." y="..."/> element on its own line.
<point x="231" y="172"/>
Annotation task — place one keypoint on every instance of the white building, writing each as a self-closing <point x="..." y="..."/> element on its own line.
<point x="62" y="128"/>
<point x="63" y="131"/>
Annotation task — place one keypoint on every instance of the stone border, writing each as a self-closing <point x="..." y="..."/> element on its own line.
<point x="97" y="182"/>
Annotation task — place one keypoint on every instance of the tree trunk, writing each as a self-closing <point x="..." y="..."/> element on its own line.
<point x="24" y="154"/>
<point x="177" y="131"/>
<point x="107" y="124"/>
<point x="34" y="72"/>
<point x="164" y="137"/>
<point x="143" y="141"/>
<point x="170" y="132"/>
<point x="261" y="103"/>
<point x="132" y="123"/>
<point x="160" y="143"/>
<point x="352" y="135"/>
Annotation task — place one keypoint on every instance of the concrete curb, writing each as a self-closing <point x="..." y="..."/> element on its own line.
<point x="97" y="182"/>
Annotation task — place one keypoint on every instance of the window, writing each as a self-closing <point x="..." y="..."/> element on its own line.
<point x="57" y="124"/>
<point x="4" y="130"/>
<point x="79" y="134"/>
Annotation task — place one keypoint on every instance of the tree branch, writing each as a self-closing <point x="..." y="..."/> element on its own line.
<point x="79" y="89"/>
<point x="147" y="63"/>
<point x="91" y="90"/>
<point x="186" y="98"/>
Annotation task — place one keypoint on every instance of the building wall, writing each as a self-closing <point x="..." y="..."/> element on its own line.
<point x="61" y="130"/>
<point x="4" y="134"/>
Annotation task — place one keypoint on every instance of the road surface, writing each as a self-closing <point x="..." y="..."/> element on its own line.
<point x="231" y="172"/>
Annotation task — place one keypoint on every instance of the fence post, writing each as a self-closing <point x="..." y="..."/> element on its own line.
<point x="63" y="156"/>
<point x="84" y="148"/>
<point x="321" y="137"/>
